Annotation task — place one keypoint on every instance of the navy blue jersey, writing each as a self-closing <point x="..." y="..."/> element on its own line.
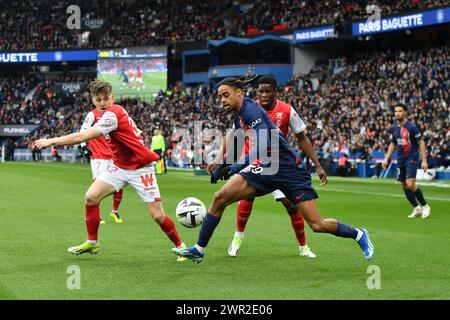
<point x="406" y="139"/>
<point x="252" y="116"/>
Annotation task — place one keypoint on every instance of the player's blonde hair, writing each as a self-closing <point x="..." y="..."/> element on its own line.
<point x="97" y="87"/>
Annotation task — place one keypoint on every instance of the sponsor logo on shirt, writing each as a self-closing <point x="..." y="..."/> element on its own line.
<point x="254" y="123"/>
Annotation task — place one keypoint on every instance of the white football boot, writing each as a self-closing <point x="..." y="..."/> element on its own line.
<point x="417" y="212"/>
<point x="426" y="210"/>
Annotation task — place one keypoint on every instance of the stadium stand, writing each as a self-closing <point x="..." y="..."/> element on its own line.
<point x="137" y="23"/>
<point x="347" y="113"/>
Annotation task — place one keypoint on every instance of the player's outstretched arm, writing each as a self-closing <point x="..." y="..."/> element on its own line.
<point x="388" y="155"/>
<point x="70" y="139"/>
<point x="308" y="149"/>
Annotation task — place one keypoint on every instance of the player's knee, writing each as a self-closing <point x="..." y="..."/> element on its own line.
<point x="220" y="198"/>
<point x="410" y="185"/>
<point x="291" y="209"/>
<point x="317" y="226"/>
<point x="158" y="217"/>
<point x="91" y="199"/>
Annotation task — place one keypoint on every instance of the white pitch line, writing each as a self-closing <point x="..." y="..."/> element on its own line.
<point x="378" y="194"/>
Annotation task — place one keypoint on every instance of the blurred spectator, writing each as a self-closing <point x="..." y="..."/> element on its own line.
<point x="343" y="168"/>
<point x="54" y="152"/>
<point x="10" y="148"/>
<point x="35" y="152"/>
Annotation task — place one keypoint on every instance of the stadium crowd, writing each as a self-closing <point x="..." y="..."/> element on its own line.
<point x="348" y="112"/>
<point x="267" y="15"/>
<point x="43" y="23"/>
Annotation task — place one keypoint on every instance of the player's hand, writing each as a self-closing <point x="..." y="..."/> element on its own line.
<point x="211" y="167"/>
<point x="43" y="143"/>
<point x="223" y="172"/>
<point x="384" y="163"/>
<point x="86" y="152"/>
<point x="424" y="166"/>
<point x="322" y="175"/>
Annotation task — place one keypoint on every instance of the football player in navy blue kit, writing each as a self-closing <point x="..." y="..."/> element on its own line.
<point x="253" y="178"/>
<point x="406" y="139"/>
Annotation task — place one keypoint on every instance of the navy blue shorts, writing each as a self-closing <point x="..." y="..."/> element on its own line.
<point x="409" y="171"/>
<point x="294" y="182"/>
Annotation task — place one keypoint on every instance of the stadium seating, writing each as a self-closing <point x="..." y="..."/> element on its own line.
<point x="43" y="23"/>
<point x="349" y="112"/>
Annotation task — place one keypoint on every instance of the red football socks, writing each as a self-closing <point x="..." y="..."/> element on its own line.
<point x="92" y="221"/>
<point x="299" y="225"/>
<point x="244" y="210"/>
<point x="169" y="229"/>
<point x="117" y="197"/>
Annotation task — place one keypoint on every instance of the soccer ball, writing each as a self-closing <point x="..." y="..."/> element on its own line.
<point x="191" y="212"/>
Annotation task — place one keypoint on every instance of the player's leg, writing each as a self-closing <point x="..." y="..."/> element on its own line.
<point x="411" y="173"/>
<point x="98" y="166"/>
<point x="298" y="224"/>
<point x="117" y="199"/>
<point x="156" y="211"/>
<point x="337" y="228"/>
<point x="96" y="192"/>
<point x="296" y="185"/>
<point x="144" y="182"/>
<point x="408" y="184"/>
<point x="164" y="164"/>
<point x="243" y="212"/>
<point x="237" y="188"/>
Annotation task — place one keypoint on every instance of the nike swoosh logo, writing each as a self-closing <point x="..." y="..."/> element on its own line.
<point x="300" y="196"/>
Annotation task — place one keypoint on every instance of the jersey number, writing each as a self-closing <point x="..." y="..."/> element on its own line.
<point x="136" y="131"/>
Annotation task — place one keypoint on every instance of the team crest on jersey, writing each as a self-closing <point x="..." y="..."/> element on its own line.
<point x="243" y="125"/>
<point x="279" y="118"/>
<point x="107" y="122"/>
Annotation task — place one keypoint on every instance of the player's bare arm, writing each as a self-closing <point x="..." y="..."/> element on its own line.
<point x="388" y="155"/>
<point x="308" y="149"/>
<point x="423" y="151"/>
<point x="70" y="139"/>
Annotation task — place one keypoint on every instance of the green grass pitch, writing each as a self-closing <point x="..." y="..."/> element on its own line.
<point x="153" y="81"/>
<point x="42" y="214"/>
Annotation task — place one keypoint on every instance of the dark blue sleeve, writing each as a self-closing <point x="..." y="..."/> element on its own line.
<point x="237" y="123"/>
<point x="393" y="139"/>
<point x="257" y="121"/>
<point x="415" y="132"/>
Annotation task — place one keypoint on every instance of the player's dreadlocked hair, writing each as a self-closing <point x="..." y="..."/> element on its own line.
<point x="239" y="83"/>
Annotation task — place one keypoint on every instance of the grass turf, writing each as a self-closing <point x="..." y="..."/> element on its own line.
<point x="42" y="214"/>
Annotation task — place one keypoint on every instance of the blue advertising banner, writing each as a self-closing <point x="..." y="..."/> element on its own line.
<point x="313" y="34"/>
<point x="408" y="21"/>
<point x="48" y="56"/>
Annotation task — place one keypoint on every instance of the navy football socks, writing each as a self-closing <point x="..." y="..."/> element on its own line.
<point x="345" y="231"/>
<point x="208" y="227"/>
<point x="411" y="197"/>
<point x="419" y="196"/>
